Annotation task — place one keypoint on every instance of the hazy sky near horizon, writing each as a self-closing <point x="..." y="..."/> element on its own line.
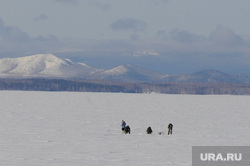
<point x="112" y="19"/>
<point x="143" y="32"/>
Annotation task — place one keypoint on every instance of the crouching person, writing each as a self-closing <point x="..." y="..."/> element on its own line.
<point x="149" y="130"/>
<point x="127" y="130"/>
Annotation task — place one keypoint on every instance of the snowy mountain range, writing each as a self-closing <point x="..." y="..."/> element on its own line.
<point x="43" y="65"/>
<point x="50" y="66"/>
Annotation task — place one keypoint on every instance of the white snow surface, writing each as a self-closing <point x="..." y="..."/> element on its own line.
<point x="76" y="129"/>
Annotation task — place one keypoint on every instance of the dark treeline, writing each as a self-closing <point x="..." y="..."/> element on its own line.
<point x="62" y="85"/>
<point x="198" y="88"/>
<point x="110" y="86"/>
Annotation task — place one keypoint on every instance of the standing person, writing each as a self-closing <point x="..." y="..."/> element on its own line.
<point x="170" y="128"/>
<point x="123" y="125"/>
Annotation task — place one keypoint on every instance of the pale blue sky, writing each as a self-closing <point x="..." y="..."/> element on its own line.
<point x="92" y="18"/>
<point x="195" y="34"/>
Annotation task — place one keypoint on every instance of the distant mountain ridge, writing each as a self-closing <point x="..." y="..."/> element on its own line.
<point x="208" y="76"/>
<point x="42" y="65"/>
<point x="129" y="73"/>
<point x="50" y="66"/>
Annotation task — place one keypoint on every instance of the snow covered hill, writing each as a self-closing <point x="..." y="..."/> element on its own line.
<point x="50" y="66"/>
<point x="43" y="65"/>
<point x="129" y="73"/>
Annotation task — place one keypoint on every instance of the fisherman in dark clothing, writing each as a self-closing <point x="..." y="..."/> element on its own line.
<point x="127" y="129"/>
<point x="170" y="128"/>
<point x="149" y="130"/>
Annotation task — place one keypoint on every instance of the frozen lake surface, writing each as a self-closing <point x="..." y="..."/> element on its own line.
<point x="76" y="129"/>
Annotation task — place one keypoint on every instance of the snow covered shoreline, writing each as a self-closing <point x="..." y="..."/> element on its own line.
<point x="75" y="128"/>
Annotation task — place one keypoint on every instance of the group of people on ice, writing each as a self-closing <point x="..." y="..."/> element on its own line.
<point x="126" y="129"/>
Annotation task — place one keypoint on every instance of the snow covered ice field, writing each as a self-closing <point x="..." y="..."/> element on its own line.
<point x="76" y="129"/>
